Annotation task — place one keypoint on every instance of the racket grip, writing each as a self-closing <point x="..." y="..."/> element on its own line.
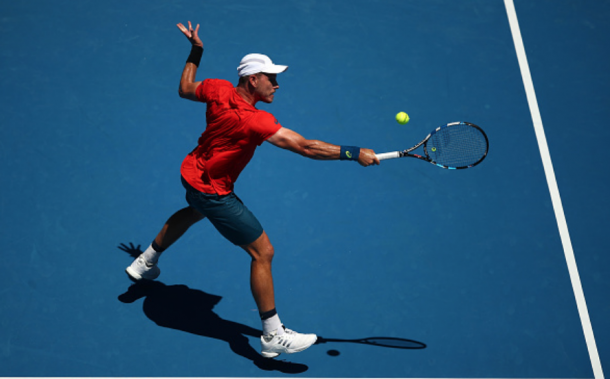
<point x="390" y="155"/>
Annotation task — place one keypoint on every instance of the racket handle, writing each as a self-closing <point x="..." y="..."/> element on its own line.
<point x="390" y="155"/>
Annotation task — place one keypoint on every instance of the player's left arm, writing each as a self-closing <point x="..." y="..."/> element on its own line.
<point x="188" y="85"/>
<point x="315" y="149"/>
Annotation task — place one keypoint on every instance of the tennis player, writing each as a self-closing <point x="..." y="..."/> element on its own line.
<point x="234" y="129"/>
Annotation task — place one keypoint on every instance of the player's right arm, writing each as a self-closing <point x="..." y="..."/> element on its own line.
<point x="314" y="149"/>
<point x="188" y="85"/>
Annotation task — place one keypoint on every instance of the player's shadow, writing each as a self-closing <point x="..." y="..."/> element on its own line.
<point x="182" y="308"/>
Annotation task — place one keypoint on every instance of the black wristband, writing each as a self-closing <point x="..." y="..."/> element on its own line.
<point x="349" y="153"/>
<point x="195" y="56"/>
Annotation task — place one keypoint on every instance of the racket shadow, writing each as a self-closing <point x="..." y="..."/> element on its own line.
<point x="182" y="308"/>
<point x="388" y="342"/>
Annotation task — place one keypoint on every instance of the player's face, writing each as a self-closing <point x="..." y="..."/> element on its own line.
<point x="266" y="87"/>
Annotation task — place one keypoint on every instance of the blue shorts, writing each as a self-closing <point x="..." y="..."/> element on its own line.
<point x="227" y="213"/>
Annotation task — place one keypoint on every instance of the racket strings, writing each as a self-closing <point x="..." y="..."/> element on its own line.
<point x="457" y="146"/>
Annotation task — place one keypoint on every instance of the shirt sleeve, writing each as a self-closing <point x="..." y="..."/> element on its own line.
<point x="208" y="89"/>
<point x="262" y="126"/>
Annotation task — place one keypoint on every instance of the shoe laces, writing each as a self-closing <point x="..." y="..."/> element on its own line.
<point x="287" y="335"/>
<point x="147" y="264"/>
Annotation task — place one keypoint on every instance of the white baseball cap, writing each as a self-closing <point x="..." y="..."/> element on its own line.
<point x="254" y="63"/>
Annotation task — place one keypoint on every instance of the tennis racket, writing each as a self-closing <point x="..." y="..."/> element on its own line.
<point x="453" y="146"/>
<point x="394" y="343"/>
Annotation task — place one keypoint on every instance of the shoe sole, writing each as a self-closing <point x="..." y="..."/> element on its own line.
<point x="135" y="276"/>
<point x="289" y="351"/>
<point x="132" y="275"/>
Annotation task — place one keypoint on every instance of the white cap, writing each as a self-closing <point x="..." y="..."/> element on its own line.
<point x="254" y="63"/>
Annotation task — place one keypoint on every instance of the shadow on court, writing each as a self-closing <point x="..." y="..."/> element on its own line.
<point x="390" y="342"/>
<point x="182" y="308"/>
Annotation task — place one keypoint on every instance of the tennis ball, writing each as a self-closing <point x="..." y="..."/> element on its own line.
<point x="402" y="118"/>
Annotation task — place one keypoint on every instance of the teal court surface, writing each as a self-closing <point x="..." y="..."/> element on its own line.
<point x="499" y="271"/>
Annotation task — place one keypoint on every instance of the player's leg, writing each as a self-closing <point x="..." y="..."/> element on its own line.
<point x="145" y="266"/>
<point x="176" y="226"/>
<point x="238" y="224"/>
<point x="261" y="280"/>
<point x="276" y="338"/>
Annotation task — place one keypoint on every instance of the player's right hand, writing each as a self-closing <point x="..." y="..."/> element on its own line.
<point x="367" y="157"/>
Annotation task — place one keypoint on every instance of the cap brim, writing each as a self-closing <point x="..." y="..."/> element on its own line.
<point x="275" y="69"/>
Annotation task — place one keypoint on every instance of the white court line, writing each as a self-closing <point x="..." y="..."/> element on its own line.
<point x="554" y="190"/>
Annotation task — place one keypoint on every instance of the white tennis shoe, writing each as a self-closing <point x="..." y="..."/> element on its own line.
<point x="141" y="269"/>
<point x="289" y="342"/>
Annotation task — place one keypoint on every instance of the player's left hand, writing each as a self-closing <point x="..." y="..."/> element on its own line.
<point x="191" y="34"/>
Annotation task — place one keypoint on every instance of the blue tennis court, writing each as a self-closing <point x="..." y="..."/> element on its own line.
<point x="472" y="267"/>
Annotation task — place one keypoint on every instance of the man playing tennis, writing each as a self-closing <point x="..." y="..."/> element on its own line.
<point x="234" y="129"/>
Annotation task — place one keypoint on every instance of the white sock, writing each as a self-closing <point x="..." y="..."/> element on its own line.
<point x="272" y="324"/>
<point x="151" y="255"/>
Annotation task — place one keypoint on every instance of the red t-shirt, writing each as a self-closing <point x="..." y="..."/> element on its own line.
<point x="234" y="130"/>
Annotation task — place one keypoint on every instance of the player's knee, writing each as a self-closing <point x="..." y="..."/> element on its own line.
<point x="260" y="250"/>
<point x="266" y="253"/>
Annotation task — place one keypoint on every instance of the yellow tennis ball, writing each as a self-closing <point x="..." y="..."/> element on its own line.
<point x="402" y="118"/>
